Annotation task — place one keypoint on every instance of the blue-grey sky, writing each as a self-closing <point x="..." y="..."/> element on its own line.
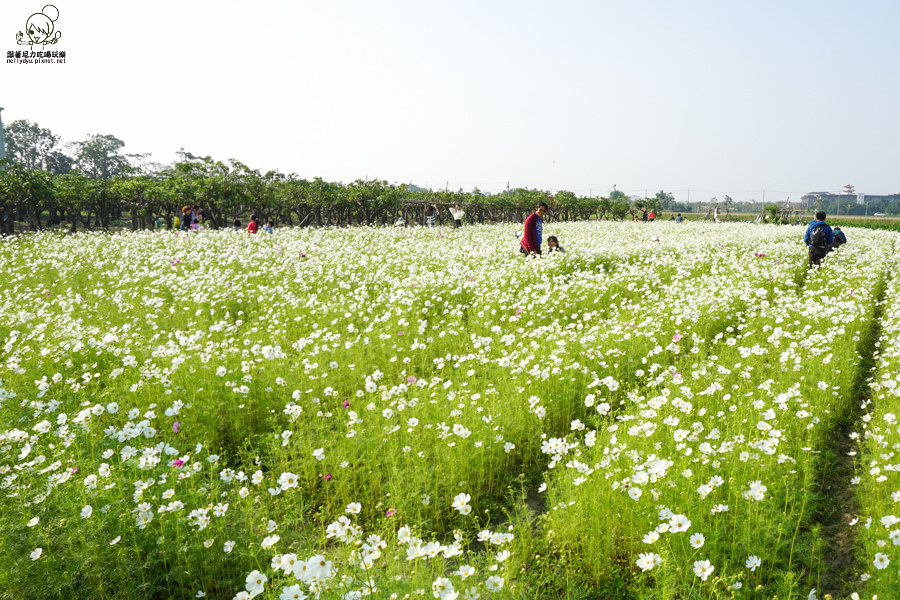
<point x="716" y="97"/>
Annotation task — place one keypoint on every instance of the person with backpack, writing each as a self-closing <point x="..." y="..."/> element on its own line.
<point x="818" y="238"/>
<point x="839" y="238"/>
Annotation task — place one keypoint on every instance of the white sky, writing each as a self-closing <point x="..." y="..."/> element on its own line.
<point x="713" y="96"/>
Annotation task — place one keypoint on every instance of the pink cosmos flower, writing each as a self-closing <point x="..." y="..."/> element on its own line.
<point x="175" y="426"/>
<point x="177" y="463"/>
<point x="676" y="337"/>
<point x="411" y="380"/>
<point x="391" y="512"/>
<point x="346" y="404"/>
<point x="327" y="477"/>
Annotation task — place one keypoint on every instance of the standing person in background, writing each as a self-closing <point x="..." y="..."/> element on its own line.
<point x="534" y="227"/>
<point x="457" y="213"/>
<point x="253" y="227"/>
<point x="270" y="227"/>
<point x="237" y="225"/>
<point x="679" y="218"/>
<point x="651" y="216"/>
<point x="430" y="215"/>
<point x="818" y="238"/>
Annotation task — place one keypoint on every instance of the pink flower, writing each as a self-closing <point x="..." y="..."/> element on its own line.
<point x="75" y="470"/>
<point x="411" y="380"/>
<point x="400" y="332"/>
<point x="346" y="404"/>
<point x="327" y="477"/>
<point x="177" y="463"/>
<point x="175" y="426"/>
<point x="391" y="512"/>
<point x="676" y="337"/>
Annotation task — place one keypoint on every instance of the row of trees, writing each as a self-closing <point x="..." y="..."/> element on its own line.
<point x="97" y="184"/>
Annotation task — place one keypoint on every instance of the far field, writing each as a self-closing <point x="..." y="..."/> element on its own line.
<point x="424" y="412"/>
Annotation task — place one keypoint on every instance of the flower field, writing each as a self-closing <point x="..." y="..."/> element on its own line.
<point x="403" y="413"/>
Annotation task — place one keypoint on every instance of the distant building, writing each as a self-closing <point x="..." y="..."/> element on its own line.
<point x="812" y="197"/>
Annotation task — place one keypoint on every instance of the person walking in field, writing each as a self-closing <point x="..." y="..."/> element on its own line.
<point x="534" y="227"/>
<point x="253" y="227"/>
<point x="818" y="238"/>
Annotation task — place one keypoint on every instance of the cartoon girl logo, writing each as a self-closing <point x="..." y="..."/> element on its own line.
<point x="39" y="28"/>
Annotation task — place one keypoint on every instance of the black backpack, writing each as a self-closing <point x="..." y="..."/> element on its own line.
<point x="817" y="237"/>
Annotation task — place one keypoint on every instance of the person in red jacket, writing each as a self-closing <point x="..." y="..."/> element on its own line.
<point x="253" y="227"/>
<point x="534" y="226"/>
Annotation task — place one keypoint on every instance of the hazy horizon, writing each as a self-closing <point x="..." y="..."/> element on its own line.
<point x="707" y="97"/>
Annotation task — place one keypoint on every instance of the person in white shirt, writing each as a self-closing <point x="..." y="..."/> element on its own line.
<point x="457" y="213"/>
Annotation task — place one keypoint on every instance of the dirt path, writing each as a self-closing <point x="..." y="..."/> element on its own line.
<point x="839" y="506"/>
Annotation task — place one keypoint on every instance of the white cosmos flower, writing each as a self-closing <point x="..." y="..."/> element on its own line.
<point x="753" y="562"/>
<point x="442" y="588"/>
<point x="255" y="583"/>
<point x="697" y="540"/>
<point x="87" y="511"/>
<point x="461" y="500"/>
<point x="287" y="481"/>
<point x="494" y="584"/>
<point x="36" y="553"/>
<point x="353" y="508"/>
<point x="651" y="537"/>
<point x="679" y="524"/>
<point x="881" y="561"/>
<point x="465" y="571"/>
<point x="648" y="560"/>
<point x="269" y="541"/>
<point x="292" y="592"/>
<point x="703" y="569"/>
